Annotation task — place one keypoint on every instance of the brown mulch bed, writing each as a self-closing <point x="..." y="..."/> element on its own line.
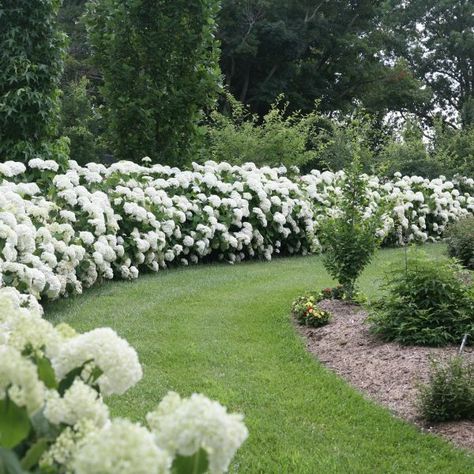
<point x="386" y="372"/>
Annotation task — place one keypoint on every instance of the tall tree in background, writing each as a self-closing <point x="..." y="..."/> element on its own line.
<point x="159" y="66"/>
<point x="332" y="51"/>
<point x="437" y="39"/>
<point x="31" y="61"/>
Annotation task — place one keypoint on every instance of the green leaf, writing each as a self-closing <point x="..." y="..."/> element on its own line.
<point x="95" y="374"/>
<point x="68" y="380"/>
<point x="14" y="424"/>
<point x="33" y="454"/>
<point x="196" y="464"/>
<point x="42" y="427"/>
<point x="46" y="372"/>
<point x="9" y="463"/>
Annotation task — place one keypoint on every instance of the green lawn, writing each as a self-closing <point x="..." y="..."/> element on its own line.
<point x="225" y="331"/>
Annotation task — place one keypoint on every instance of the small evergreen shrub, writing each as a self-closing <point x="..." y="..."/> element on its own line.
<point x="426" y="304"/>
<point x="305" y="310"/>
<point x="461" y="241"/>
<point x="449" y="395"/>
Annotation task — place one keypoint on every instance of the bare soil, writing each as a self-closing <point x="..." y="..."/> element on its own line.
<point x="386" y="372"/>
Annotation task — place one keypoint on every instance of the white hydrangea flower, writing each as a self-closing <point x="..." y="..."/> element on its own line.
<point x="19" y="380"/>
<point x="106" y="350"/>
<point x="80" y="402"/>
<point x="184" y="426"/>
<point x="62" y="451"/>
<point x="122" y="447"/>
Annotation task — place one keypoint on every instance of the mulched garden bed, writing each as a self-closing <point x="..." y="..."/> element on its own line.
<point x="386" y="372"/>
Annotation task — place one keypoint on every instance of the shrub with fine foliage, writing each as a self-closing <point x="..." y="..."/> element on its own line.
<point x="449" y="395"/>
<point x="426" y="304"/>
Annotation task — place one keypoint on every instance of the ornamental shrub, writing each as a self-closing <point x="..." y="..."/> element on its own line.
<point x="72" y="227"/>
<point x="280" y="138"/>
<point x="449" y="395"/>
<point x="461" y="241"/>
<point x="426" y="303"/>
<point x="351" y="235"/>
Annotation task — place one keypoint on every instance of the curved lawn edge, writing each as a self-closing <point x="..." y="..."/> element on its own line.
<point x="225" y="331"/>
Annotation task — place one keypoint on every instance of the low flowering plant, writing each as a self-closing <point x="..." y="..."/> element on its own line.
<point x="307" y="312"/>
<point x="54" y="420"/>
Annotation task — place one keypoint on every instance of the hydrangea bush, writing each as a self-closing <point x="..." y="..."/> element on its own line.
<point x="65" y="227"/>
<point x="53" y="418"/>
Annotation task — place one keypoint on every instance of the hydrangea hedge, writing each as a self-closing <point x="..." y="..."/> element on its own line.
<point x="61" y="230"/>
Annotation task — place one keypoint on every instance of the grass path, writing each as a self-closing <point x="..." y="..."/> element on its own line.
<point x="225" y="331"/>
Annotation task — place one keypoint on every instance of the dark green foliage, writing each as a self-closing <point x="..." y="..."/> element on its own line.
<point x="461" y="241"/>
<point x="159" y="66"/>
<point x="81" y="122"/>
<point x="31" y="60"/>
<point x="327" y="51"/>
<point x="78" y="61"/>
<point x="449" y="395"/>
<point x="350" y="239"/>
<point x="426" y="303"/>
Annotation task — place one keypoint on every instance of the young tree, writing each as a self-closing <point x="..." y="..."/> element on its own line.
<point x="31" y="61"/>
<point x="350" y="237"/>
<point x="159" y="65"/>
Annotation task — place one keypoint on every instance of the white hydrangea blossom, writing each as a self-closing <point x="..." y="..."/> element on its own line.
<point x="165" y="216"/>
<point x="184" y="426"/>
<point x="19" y="380"/>
<point x="62" y="451"/>
<point x="122" y="447"/>
<point x="105" y="350"/>
<point x="80" y="402"/>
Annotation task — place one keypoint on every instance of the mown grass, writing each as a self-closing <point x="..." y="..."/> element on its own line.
<point x="225" y="331"/>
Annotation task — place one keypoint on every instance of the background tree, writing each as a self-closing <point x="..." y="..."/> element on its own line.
<point x="327" y="51"/>
<point x="78" y="61"/>
<point x="31" y="61"/>
<point x="159" y="65"/>
<point x="81" y="122"/>
<point x="436" y="37"/>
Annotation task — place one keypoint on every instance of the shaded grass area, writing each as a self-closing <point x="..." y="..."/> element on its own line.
<point x="225" y="331"/>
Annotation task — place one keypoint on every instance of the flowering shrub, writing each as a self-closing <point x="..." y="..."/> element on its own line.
<point x="306" y="311"/>
<point x="53" y="418"/>
<point x="64" y="228"/>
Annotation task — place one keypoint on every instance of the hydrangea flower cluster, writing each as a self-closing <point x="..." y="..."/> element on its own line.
<point x="61" y="230"/>
<point x="52" y="412"/>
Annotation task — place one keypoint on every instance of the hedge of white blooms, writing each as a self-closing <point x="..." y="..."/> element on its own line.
<point x="53" y="418"/>
<point x="61" y="230"/>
